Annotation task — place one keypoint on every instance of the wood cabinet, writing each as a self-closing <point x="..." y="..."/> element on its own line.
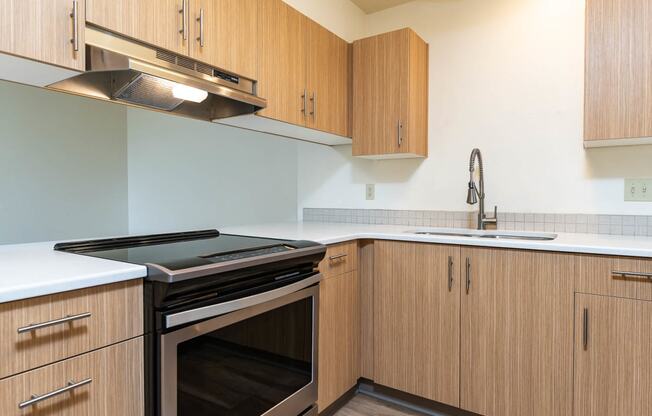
<point x="517" y="333"/>
<point x="390" y="95"/>
<point x="303" y="70"/>
<point x="44" y="30"/>
<point x="339" y="337"/>
<point x="417" y="319"/>
<point x="618" y="86"/>
<point x="613" y="356"/>
<point x="157" y="22"/>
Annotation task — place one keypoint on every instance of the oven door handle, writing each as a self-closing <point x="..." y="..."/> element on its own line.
<point x="211" y="311"/>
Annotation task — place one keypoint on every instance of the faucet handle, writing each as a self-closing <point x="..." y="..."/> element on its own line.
<point x="494" y="219"/>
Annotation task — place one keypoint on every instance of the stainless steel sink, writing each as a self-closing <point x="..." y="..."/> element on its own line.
<point x="498" y="235"/>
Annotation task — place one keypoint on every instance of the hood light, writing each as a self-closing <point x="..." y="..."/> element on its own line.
<point x="184" y="92"/>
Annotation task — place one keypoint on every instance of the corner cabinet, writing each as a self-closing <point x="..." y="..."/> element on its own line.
<point x="390" y="96"/>
<point x="618" y="86"/>
<point x="50" y="31"/>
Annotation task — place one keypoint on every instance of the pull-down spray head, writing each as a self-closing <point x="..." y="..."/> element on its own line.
<point x="472" y="195"/>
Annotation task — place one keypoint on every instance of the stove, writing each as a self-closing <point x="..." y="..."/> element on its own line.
<point x="230" y="321"/>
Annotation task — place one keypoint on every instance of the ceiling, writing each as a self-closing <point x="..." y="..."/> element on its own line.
<point x="372" y="6"/>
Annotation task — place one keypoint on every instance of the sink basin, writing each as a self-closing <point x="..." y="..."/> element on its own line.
<point x="498" y="235"/>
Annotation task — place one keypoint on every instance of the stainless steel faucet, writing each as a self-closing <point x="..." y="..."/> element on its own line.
<point x="476" y="193"/>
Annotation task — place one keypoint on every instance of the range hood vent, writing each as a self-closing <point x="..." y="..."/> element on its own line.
<point x="118" y="69"/>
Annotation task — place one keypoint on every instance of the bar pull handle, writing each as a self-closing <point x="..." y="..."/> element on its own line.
<point x="304" y="98"/>
<point x="337" y="256"/>
<point x="468" y="275"/>
<point x="618" y="273"/>
<point x="450" y="273"/>
<point x="75" y="26"/>
<point x="585" y="328"/>
<point x="200" y="19"/>
<point x="399" y="133"/>
<point x="70" y="387"/>
<point x="54" y="322"/>
<point x="313" y="101"/>
<point x="183" y="12"/>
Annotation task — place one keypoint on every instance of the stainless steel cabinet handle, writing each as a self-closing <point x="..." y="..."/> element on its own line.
<point x="399" y="133"/>
<point x="70" y="387"/>
<point x="585" y="328"/>
<point x="468" y="275"/>
<point x="200" y="19"/>
<point x="75" y="26"/>
<point x="632" y="274"/>
<point x="303" y="98"/>
<point x="313" y="100"/>
<point x="54" y="322"/>
<point x="184" y="17"/>
<point x="337" y="256"/>
<point x="450" y="273"/>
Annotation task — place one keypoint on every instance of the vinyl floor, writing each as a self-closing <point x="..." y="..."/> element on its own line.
<point x="362" y="405"/>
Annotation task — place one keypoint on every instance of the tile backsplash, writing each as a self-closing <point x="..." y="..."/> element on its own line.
<point x="630" y="225"/>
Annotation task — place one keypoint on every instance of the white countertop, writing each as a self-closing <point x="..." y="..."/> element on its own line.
<point x="330" y="233"/>
<point x="30" y="270"/>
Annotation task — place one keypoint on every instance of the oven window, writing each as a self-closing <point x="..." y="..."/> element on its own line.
<point x="247" y="368"/>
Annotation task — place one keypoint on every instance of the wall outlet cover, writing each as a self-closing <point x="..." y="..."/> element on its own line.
<point x="638" y="190"/>
<point x="370" y="192"/>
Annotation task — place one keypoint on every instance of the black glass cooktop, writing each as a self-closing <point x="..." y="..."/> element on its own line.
<point x="179" y="250"/>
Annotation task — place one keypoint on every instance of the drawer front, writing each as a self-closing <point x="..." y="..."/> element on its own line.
<point x="72" y="323"/>
<point x="340" y="258"/>
<point x="109" y="381"/>
<point x="615" y="276"/>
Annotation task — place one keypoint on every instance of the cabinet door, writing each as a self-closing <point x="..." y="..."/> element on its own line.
<point x="613" y="356"/>
<point x="517" y="333"/>
<point x="157" y="22"/>
<point x="339" y="337"/>
<point x="417" y="319"/>
<point x="228" y="40"/>
<point x="618" y="87"/>
<point x="379" y="93"/>
<point x="329" y="74"/>
<point x="282" y="61"/>
<point x="43" y="30"/>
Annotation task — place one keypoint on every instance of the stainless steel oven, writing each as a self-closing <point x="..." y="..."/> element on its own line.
<point x="259" y="359"/>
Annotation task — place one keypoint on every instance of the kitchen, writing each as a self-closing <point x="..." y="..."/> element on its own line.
<point x="413" y="310"/>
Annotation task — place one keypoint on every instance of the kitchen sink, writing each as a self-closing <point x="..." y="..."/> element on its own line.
<point x="498" y="235"/>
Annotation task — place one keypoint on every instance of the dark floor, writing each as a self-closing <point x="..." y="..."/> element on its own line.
<point x="362" y="405"/>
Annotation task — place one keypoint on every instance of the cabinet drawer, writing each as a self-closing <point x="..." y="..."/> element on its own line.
<point x="108" y="381"/>
<point x="615" y="276"/>
<point x="39" y="331"/>
<point x="340" y="258"/>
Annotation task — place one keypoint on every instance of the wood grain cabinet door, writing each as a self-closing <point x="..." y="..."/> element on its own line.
<point x="227" y="36"/>
<point x="339" y="337"/>
<point x="328" y="81"/>
<point x="613" y="356"/>
<point x="417" y="319"/>
<point x="43" y="30"/>
<point x="282" y="61"/>
<point x="517" y="333"/>
<point x="156" y="22"/>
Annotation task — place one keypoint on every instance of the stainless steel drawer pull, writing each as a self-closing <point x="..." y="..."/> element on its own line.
<point x="75" y="26"/>
<point x="337" y="256"/>
<point x="632" y="274"/>
<point x="450" y="273"/>
<point x="585" y="328"/>
<point x="70" y="387"/>
<point x="54" y="322"/>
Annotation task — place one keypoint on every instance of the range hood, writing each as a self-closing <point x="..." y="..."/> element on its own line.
<point x="121" y="70"/>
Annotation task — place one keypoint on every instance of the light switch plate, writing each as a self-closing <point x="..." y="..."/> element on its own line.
<point x="638" y="190"/>
<point x="370" y="192"/>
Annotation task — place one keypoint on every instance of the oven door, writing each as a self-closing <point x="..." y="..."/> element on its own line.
<point x="255" y="361"/>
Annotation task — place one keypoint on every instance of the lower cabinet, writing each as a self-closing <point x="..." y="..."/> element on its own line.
<point x="339" y="337"/>
<point x="108" y="381"/>
<point x="613" y="356"/>
<point x="417" y="319"/>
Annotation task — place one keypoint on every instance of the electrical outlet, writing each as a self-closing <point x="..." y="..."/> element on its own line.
<point x="638" y="190"/>
<point x="370" y="192"/>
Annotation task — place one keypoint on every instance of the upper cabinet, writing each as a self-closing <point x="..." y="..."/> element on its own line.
<point x="618" y="85"/>
<point x="51" y="31"/>
<point x="390" y="96"/>
<point x="304" y="70"/>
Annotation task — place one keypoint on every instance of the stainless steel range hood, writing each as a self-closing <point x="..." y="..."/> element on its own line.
<point x="124" y="71"/>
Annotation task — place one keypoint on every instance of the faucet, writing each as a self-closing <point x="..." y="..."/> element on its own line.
<point x="476" y="193"/>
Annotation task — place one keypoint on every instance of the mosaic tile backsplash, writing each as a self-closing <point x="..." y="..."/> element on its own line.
<point x="629" y="225"/>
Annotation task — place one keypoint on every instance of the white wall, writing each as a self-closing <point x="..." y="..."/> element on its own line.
<point x="63" y="166"/>
<point x="187" y="174"/>
<point x="505" y="76"/>
<point x="341" y="17"/>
